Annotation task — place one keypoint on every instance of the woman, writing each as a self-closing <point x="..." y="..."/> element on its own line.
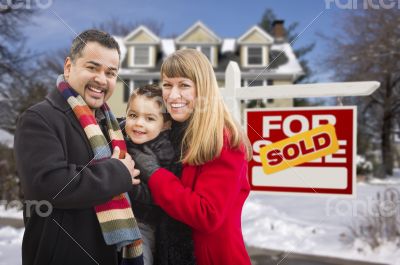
<point x="211" y="192"/>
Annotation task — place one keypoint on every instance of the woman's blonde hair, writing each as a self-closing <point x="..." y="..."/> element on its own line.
<point x="204" y="137"/>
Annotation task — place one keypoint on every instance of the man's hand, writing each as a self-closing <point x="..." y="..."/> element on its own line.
<point x="129" y="164"/>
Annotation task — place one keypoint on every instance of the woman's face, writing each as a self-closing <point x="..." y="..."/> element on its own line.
<point x="179" y="95"/>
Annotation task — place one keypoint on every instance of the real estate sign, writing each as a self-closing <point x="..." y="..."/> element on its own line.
<point x="303" y="150"/>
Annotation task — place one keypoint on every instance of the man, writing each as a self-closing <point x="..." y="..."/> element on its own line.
<point x="60" y="168"/>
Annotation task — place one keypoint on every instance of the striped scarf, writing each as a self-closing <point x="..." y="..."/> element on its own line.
<point x="116" y="218"/>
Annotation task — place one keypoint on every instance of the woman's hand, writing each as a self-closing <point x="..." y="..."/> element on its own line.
<point x="146" y="161"/>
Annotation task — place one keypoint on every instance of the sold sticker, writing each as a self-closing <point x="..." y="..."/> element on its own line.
<point x="298" y="149"/>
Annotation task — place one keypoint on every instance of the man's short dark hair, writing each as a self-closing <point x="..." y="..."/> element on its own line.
<point x="92" y="35"/>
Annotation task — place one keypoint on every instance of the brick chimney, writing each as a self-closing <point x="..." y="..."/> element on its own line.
<point x="279" y="30"/>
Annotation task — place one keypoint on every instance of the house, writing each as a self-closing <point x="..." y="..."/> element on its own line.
<point x="263" y="59"/>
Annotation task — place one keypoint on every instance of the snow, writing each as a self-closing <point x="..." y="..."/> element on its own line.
<point x="10" y="245"/>
<point x="389" y="180"/>
<point x="312" y="225"/>
<point x="6" y="138"/>
<point x="122" y="47"/>
<point x="392" y="180"/>
<point x="168" y="46"/>
<point x="292" y="66"/>
<point x="228" y="45"/>
<point x="10" y="212"/>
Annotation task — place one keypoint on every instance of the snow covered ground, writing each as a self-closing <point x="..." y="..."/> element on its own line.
<point x="313" y="225"/>
<point x="10" y="212"/>
<point x="299" y="224"/>
<point x="10" y="246"/>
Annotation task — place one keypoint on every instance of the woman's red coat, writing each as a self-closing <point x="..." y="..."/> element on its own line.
<point x="209" y="198"/>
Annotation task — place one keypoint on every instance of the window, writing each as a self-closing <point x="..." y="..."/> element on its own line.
<point x="141" y="56"/>
<point x="254" y="56"/>
<point x="206" y="50"/>
<point x="256" y="82"/>
<point x="253" y="82"/>
<point x="139" y="83"/>
<point x="127" y="90"/>
<point x="270" y="83"/>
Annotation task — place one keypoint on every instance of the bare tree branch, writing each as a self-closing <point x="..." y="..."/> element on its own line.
<point x="367" y="48"/>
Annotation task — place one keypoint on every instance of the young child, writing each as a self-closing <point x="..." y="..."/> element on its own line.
<point x="147" y="126"/>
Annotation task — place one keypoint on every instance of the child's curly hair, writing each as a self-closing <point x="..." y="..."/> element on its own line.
<point x="150" y="91"/>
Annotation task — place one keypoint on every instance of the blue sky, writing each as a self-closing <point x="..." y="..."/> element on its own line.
<point x="54" y="26"/>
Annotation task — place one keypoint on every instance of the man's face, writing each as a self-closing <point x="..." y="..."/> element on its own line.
<point x="93" y="75"/>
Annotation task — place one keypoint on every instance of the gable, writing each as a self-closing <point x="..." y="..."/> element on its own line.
<point x="255" y="37"/>
<point x="141" y="37"/>
<point x="199" y="35"/>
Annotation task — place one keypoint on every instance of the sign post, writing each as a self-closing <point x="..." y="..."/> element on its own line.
<point x="310" y="150"/>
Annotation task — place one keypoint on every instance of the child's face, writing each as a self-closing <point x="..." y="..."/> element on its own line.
<point x="144" y="120"/>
